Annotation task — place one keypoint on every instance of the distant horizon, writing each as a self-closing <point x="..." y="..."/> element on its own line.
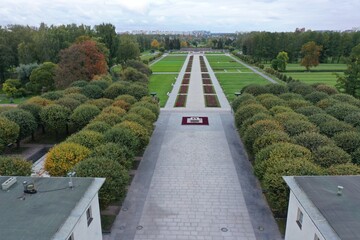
<point x="227" y="16"/>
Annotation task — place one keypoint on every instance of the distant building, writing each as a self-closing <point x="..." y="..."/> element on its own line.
<point x="49" y="208"/>
<point x="323" y="208"/>
<point x="300" y="30"/>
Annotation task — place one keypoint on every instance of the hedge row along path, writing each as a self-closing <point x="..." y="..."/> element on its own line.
<point x="195" y="182"/>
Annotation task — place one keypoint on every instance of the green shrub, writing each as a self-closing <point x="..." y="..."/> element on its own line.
<point x="268" y="138"/>
<point x="312" y="140"/>
<point x="113" y="151"/>
<point x="291" y="96"/>
<point x="103" y="84"/>
<point x="355" y="155"/>
<point x="71" y="90"/>
<point x="273" y="101"/>
<point x="117" y="178"/>
<point x="277" y="89"/>
<point x="289" y="116"/>
<point x="327" y="102"/>
<point x="70" y="103"/>
<point x="254" y="89"/>
<point x="277" y="190"/>
<point x="133" y="117"/>
<point x="327" y="156"/>
<point x="122" y="104"/>
<point x="87" y="138"/>
<point x="349" y="141"/>
<point x="14" y="166"/>
<point x="295" y="127"/>
<point x="101" y="103"/>
<point x="280" y="109"/>
<point x="147" y="114"/>
<point x="242" y="98"/>
<point x="115" y="90"/>
<point x="152" y="107"/>
<point x="346" y="98"/>
<point x="53" y="95"/>
<point x="80" y="83"/>
<point x="250" y="121"/>
<point x="55" y="117"/>
<point x="100" y="127"/>
<point x="310" y="110"/>
<point x="326" y="89"/>
<point x="109" y="118"/>
<point x="257" y="129"/>
<point x="92" y="91"/>
<point x="62" y="158"/>
<point x="123" y="137"/>
<point x="127" y="98"/>
<point x="296" y="103"/>
<point x="300" y="88"/>
<point x="32" y="108"/>
<point x="83" y="114"/>
<point x="77" y="96"/>
<point x="138" y="90"/>
<point x="353" y="119"/>
<point x="341" y="110"/>
<point x="282" y="150"/>
<point x="114" y="110"/>
<point x="316" y="96"/>
<point x="247" y="111"/>
<point x="39" y="101"/>
<point x="141" y="132"/>
<point x="330" y="128"/>
<point x="9" y="131"/>
<point x="24" y="119"/>
<point x="321" y="118"/>
<point x="343" y="169"/>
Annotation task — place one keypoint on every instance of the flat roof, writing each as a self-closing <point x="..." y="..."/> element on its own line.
<point x="43" y="214"/>
<point x="341" y="212"/>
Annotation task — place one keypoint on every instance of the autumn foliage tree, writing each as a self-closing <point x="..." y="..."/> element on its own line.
<point x="311" y="54"/>
<point x="81" y="61"/>
<point x="155" y="44"/>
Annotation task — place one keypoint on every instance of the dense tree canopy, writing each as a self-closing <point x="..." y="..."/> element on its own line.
<point x="311" y="54"/>
<point x="81" y="61"/>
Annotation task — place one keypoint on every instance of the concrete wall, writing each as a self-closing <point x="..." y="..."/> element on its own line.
<point x="92" y="232"/>
<point x="293" y="231"/>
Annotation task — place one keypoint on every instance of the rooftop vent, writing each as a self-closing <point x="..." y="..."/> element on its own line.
<point x="29" y="187"/>
<point x="339" y="191"/>
<point x="8" y="183"/>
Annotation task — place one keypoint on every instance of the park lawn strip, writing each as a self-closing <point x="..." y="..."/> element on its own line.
<point x="328" y="78"/>
<point x="232" y="83"/>
<point x="169" y="64"/>
<point x="161" y="84"/>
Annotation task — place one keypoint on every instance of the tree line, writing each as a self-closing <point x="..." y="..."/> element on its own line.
<point x="264" y="46"/>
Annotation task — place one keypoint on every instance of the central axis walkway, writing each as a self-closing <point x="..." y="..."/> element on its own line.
<point x="195" y="182"/>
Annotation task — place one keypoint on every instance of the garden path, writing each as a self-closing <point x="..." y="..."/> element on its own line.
<point x="195" y="181"/>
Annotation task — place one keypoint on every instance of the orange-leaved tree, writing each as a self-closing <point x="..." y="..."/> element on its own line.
<point x="311" y="54"/>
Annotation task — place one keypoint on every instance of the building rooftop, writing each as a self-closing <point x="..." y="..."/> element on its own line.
<point x="318" y="195"/>
<point x="54" y="209"/>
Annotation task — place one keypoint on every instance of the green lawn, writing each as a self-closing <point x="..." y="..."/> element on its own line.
<point x="222" y="63"/>
<point x="161" y="84"/>
<point x="324" y="73"/>
<point x="169" y="64"/>
<point x="5" y="100"/>
<point x="147" y="55"/>
<point x="232" y="83"/>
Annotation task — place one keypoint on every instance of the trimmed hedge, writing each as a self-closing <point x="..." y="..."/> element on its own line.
<point x="329" y="155"/>
<point x="310" y="110"/>
<point x="316" y="96"/>
<point x="268" y="138"/>
<point x="14" y="166"/>
<point x="113" y="151"/>
<point x="242" y="98"/>
<point x="330" y="128"/>
<point x="312" y="140"/>
<point x="87" y="138"/>
<point x="341" y="110"/>
<point x="343" y="169"/>
<point x="123" y="137"/>
<point x="247" y="111"/>
<point x="98" y="126"/>
<point x="349" y="141"/>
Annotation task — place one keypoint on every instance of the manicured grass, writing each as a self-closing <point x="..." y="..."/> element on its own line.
<point x="222" y="63"/>
<point x="169" y="64"/>
<point x="161" y="84"/>
<point x="5" y="100"/>
<point x="147" y="55"/>
<point x="232" y="83"/>
<point x="324" y="73"/>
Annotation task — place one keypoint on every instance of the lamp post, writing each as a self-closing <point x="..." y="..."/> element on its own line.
<point x="237" y="94"/>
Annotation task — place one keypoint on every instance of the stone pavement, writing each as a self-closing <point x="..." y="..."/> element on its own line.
<point x="195" y="181"/>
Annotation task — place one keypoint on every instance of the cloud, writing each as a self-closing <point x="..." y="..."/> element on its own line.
<point x="213" y="15"/>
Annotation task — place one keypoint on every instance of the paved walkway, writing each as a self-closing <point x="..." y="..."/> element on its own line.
<point x="195" y="182"/>
<point x="253" y="69"/>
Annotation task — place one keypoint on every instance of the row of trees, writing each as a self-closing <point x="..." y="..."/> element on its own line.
<point x="264" y="46"/>
<point x="27" y="45"/>
<point x="298" y="129"/>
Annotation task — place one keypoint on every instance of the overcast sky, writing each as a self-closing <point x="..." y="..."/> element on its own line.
<point x="184" y="15"/>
